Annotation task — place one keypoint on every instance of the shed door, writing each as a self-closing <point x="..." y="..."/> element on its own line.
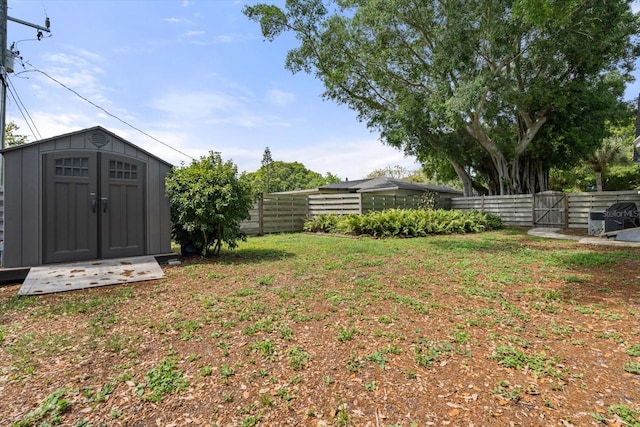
<point x="94" y="206"/>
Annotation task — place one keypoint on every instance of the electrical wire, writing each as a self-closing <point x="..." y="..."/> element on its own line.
<point x="106" y="111"/>
<point x="16" y="98"/>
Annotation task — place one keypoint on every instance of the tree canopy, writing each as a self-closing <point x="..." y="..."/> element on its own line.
<point x="495" y="92"/>
<point x="276" y="176"/>
<point x="11" y="138"/>
<point x="610" y="167"/>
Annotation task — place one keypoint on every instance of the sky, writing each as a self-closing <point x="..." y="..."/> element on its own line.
<point x="194" y="75"/>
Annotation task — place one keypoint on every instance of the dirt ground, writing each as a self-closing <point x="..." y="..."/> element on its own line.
<point x="460" y="331"/>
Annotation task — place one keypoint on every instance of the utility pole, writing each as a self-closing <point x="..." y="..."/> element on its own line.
<point x="4" y="17"/>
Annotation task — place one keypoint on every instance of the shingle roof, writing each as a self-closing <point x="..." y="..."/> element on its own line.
<point x="383" y="183"/>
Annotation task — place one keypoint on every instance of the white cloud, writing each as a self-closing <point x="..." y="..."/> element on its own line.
<point x="348" y="159"/>
<point x="213" y="108"/>
<point x="279" y="97"/>
<point x="194" y="33"/>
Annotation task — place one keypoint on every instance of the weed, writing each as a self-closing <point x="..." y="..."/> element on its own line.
<point x="193" y="357"/>
<point x="266" y="348"/>
<point x="426" y="353"/>
<point x="285" y="331"/>
<point x="506" y="391"/>
<point x="162" y="380"/>
<point x="51" y="410"/>
<point x="614" y="336"/>
<point x="265" y="400"/>
<point x="284" y="394"/>
<point x="632" y="367"/>
<point x="226" y="371"/>
<point x="628" y="415"/>
<point x="346" y="334"/>
<point x="509" y="357"/>
<point x="461" y="337"/>
<point x="206" y="371"/>
<point x="266" y="280"/>
<point x="298" y="358"/>
<point x="584" y="310"/>
<point x="252" y="420"/>
<point x="342" y="417"/>
<point x="266" y="324"/>
<point x="354" y="363"/>
<point x="378" y="358"/>
<point x="633" y="350"/>
<point x="370" y="386"/>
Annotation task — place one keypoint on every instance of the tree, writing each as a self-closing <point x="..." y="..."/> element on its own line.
<point x="267" y="161"/>
<point x="286" y="176"/>
<point x="495" y="91"/>
<point x="395" y="171"/>
<point x="11" y="138"/>
<point x="208" y="202"/>
<point x="610" y="150"/>
<point x="609" y="166"/>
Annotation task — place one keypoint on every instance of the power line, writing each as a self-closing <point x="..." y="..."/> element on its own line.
<point x="107" y="112"/>
<point x="21" y="107"/>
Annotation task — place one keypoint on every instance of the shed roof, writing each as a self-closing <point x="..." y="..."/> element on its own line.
<point x="88" y="130"/>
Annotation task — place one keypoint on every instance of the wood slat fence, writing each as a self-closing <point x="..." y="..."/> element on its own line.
<point x="551" y="209"/>
<point x="276" y="213"/>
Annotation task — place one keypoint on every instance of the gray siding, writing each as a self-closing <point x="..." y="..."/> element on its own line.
<point x="24" y="214"/>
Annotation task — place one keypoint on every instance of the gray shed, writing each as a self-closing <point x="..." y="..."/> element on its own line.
<point x="81" y="196"/>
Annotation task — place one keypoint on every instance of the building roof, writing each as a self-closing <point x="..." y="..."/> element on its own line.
<point x="91" y="129"/>
<point x="385" y="184"/>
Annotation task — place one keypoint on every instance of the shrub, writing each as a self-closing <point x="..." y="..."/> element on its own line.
<point x="208" y="202"/>
<point x="406" y="223"/>
<point x="325" y="223"/>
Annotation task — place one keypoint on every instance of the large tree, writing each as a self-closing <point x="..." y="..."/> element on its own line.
<point x="285" y="176"/>
<point x="495" y="91"/>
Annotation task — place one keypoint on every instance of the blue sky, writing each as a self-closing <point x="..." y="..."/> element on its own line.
<point x="196" y="75"/>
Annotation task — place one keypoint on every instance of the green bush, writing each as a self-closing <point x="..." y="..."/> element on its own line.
<point x="208" y="202"/>
<point x="406" y="223"/>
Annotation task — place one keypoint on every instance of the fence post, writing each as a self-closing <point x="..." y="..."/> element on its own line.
<point x="261" y="215"/>
<point x="566" y="210"/>
<point x="533" y="209"/>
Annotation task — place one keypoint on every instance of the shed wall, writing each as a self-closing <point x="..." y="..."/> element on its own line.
<point x="24" y="196"/>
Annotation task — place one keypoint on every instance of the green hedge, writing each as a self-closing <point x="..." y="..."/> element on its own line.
<point x="405" y="223"/>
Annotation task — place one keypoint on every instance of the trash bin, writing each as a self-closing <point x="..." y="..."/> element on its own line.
<point x="620" y="216"/>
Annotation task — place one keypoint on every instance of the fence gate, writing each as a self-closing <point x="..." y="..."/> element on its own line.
<point x="550" y="209"/>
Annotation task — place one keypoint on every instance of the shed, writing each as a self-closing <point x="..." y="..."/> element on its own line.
<point x="84" y="195"/>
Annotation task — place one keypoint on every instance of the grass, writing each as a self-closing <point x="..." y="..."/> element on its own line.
<point x="292" y="326"/>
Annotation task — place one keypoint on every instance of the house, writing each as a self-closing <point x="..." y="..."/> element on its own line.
<point x="84" y="195"/>
<point x="389" y="187"/>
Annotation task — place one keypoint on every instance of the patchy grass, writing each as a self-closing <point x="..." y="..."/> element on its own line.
<point x="323" y="330"/>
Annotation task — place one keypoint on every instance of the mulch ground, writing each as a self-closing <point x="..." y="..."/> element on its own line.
<point x="399" y="340"/>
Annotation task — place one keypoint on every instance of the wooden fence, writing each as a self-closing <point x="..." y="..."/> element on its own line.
<point x="276" y="213"/>
<point x="569" y="210"/>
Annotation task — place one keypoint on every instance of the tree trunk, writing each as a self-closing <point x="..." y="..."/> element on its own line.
<point x="463" y="175"/>
<point x="599" y="181"/>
